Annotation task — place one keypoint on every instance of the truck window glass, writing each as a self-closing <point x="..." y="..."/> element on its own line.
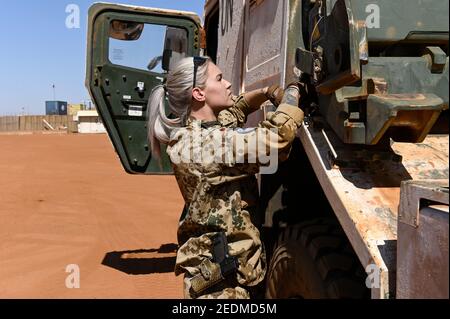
<point x="151" y="47"/>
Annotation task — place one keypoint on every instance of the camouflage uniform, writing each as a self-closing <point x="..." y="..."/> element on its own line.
<point x="222" y="197"/>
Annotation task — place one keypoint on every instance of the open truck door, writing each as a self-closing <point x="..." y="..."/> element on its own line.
<point x="130" y="50"/>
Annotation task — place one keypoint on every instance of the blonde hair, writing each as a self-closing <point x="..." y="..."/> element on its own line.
<point x="178" y="89"/>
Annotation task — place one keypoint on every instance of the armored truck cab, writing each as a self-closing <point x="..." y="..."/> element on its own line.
<point x="360" y="209"/>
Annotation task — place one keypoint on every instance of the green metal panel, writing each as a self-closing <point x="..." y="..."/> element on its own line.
<point x="361" y="50"/>
<point x="109" y="83"/>
<point x="400" y="19"/>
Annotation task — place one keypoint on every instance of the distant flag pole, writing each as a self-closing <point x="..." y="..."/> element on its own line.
<point x="54" y="94"/>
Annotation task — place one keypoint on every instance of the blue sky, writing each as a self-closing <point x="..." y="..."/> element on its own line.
<point x="38" y="50"/>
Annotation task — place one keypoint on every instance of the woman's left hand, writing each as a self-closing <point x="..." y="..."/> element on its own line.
<point x="275" y="94"/>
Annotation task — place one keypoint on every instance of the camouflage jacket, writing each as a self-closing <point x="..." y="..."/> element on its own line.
<point x="221" y="196"/>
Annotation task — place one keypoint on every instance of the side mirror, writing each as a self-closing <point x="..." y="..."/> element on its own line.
<point x="175" y="47"/>
<point x="126" y="31"/>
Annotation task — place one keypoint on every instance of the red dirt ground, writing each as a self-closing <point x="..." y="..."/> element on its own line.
<point x="65" y="199"/>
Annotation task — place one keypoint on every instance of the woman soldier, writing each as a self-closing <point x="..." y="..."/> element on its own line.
<point x="215" y="161"/>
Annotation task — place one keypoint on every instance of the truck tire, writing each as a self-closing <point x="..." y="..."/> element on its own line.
<point x="314" y="260"/>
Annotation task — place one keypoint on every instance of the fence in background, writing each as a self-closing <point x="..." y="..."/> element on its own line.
<point x="9" y="123"/>
<point x="38" y="123"/>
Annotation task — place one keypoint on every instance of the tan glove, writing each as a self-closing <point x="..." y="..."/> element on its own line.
<point x="275" y="94"/>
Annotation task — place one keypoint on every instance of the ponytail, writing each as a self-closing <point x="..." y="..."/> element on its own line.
<point x="159" y="125"/>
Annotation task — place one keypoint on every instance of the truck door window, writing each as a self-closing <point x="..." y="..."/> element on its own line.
<point x="148" y="47"/>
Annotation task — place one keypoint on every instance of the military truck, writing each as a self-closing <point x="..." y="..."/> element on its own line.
<point x="360" y="209"/>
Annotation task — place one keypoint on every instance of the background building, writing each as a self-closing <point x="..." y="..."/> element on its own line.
<point x="89" y="122"/>
<point x="55" y="108"/>
<point x="72" y="109"/>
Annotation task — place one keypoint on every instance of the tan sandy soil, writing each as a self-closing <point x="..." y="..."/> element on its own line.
<point x="65" y="199"/>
